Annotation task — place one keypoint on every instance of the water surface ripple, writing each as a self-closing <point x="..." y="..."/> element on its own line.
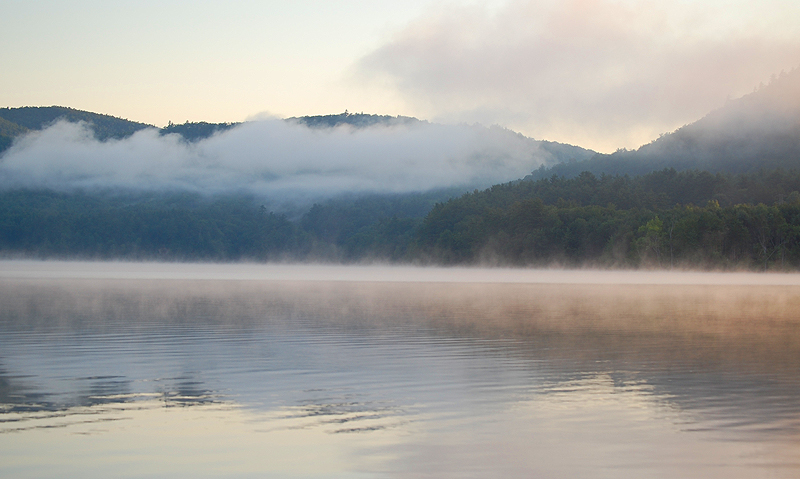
<point x="261" y="377"/>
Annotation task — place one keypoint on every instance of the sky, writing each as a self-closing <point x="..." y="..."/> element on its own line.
<point x="602" y="74"/>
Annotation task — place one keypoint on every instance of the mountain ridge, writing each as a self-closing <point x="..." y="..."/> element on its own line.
<point x="756" y="131"/>
<point x="18" y="121"/>
<point x="760" y="130"/>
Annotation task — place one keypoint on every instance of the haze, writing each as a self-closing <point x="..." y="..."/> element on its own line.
<point x="376" y="273"/>
<point x="279" y="160"/>
<point x="597" y="73"/>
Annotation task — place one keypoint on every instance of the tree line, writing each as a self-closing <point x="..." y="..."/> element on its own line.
<point x="691" y="219"/>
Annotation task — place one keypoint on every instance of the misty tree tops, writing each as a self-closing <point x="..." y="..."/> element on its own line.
<point x="745" y="221"/>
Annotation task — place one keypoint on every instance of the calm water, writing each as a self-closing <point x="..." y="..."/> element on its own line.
<point x="122" y="370"/>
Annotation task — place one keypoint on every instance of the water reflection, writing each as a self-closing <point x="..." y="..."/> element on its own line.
<point x="417" y="379"/>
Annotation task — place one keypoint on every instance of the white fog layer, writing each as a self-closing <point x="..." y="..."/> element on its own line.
<point x="275" y="158"/>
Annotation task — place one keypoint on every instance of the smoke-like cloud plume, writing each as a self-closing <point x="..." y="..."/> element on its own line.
<point x="603" y="74"/>
<point x="276" y="159"/>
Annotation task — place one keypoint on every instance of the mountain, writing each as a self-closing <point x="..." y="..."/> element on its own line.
<point x="104" y="126"/>
<point x="557" y="152"/>
<point x="18" y="121"/>
<point x="9" y="130"/>
<point x="670" y="218"/>
<point x="196" y="131"/>
<point x="356" y="120"/>
<point x="757" y="131"/>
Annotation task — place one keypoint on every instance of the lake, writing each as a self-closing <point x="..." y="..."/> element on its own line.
<point x="244" y="370"/>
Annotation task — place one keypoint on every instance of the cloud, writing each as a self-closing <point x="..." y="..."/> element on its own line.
<point x="599" y="73"/>
<point x="276" y="159"/>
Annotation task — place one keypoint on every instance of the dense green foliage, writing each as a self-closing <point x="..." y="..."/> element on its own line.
<point x="8" y="131"/>
<point x="104" y="126"/>
<point x="723" y="192"/>
<point x="173" y="226"/>
<point x="18" y="121"/>
<point x="182" y="226"/>
<point x="356" y="120"/>
<point x="196" y="131"/>
<point x="668" y="218"/>
<point x="377" y="227"/>
<point x="656" y="190"/>
<point x="533" y="233"/>
<point x="649" y="220"/>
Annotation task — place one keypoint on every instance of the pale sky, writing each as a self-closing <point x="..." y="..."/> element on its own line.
<point x="602" y="74"/>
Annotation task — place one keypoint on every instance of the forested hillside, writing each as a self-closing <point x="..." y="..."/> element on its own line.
<point x="104" y="126"/>
<point x="196" y="131"/>
<point x="729" y="198"/>
<point x="15" y="122"/>
<point x="557" y="152"/>
<point x="356" y="120"/>
<point x="665" y="219"/>
<point x="8" y="131"/>
<point x="184" y="226"/>
<point x="758" y="131"/>
<point x="18" y="121"/>
<point x="689" y="219"/>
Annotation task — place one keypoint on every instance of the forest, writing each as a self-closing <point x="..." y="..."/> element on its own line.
<point x="681" y="219"/>
<point x="15" y="122"/>
<point x="688" y="219"/>
<point x="722" y="193"/>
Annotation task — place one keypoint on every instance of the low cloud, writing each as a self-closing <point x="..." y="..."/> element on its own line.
<point x="599" y="73"/>
<point x="276" y="159"/>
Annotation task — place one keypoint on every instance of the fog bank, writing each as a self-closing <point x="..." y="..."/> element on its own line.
<point x="274" y="159"/>
<point x="376" y="273"/>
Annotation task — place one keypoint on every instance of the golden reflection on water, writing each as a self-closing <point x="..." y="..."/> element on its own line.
<point x="756" y="326"/>
<point x="150" y="440"/>
<point x="410" y="379"/>
<point x="613" y="434"/>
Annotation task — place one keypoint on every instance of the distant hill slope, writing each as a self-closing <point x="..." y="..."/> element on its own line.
<point x="758" y="131"/>
<point x="104" y="126"/>
<point x="196" y="131"/>
<point x="18" y="121"/>
<point x="565" y="153"/>
<point x="9" y="130"/>
<point x="559" y="152"/>
<point x="357" y="120"/>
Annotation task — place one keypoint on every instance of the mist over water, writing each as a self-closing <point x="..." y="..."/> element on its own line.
<point x="275" y="158"/>
<point x="37" y="269"/>
<point x="242" y="370"/>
